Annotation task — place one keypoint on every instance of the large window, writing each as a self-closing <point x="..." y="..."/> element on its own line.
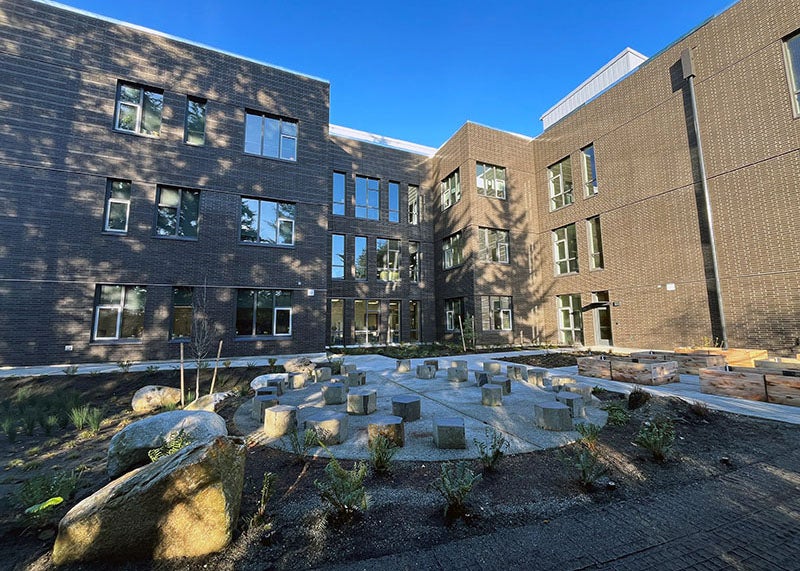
<point x="387" y="253"/>
<point x="195" y="133"/>
<point x="178" y="212"/>
<point x="452" y="251"/>
<point x="451" y="190"/>
<point x="413" y="204"/>
<point x="491" y="180"/>
<point x="560" y="178"/>
<point x="368" y="198"/>
<point x="394" y="202"/>
<point x="261" y="312"/>
<point x="565" y="250"/>
<point x="119" y="312"/>
<point x="413" y="261"/>
<point x="367" y="321"/>
<point x="595" y="243"/>
<point x="270" y="136"/>
<point x="337" y="322"/>
<point x="138" y="109"/>
<point x="267" y="222"/>
<point x="338" y="193"/>
<point x="413" y="320"/>
<point x="337" y="256"/>
<point x="493" y="245"/>
<point x="496" y="312"/>
<point x="453" y="314"/>
<point x="589" y="171"/>
<point x="360" y="258"/>
<point x="393" y="331"/>
<point x="181" y="327"/>
<point x="792" y="47"/>
<point x="118" y="206"/>
<point x="570" y="321"/>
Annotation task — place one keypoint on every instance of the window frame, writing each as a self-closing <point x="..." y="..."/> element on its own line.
<point x="111" y="200"/>
<point x="342" y="254"/>
<point x="450" y="189"/>
<point x="487" y="181"/>
<point x="414" y="269"/>
<point x="371" y="335"/>
<point x="187" y="131"/>
<point x="490" y="315"/>
<point x="174" y="307"/>
<point x="178" y="212"/>
<point x="486" y="253"/>
<point x="793" y="69"/>
<point x="453" y="307"/>
<point x="570" y="248"/>
<point x="276" y="223"/>
<point x="140" y="106"/>
<point x="284" y="126"/>
<point x="594" y="236"/>
<point x="273" y="295"/>
<point x="365" y="250"/>
<point x="120" y="308"/>
<point x="394" y="201"/>
<point x="371" y="194"/>
<point x="561" y="191"/>
<point x="414" y="320"/>
<point x="589" y="165"/>
<point x="339" y="207"/>
<point x="571" y="309"/>
<point x="452" y="251"/>
<point x="391" y="262"/>
<point x="413" y="205"/>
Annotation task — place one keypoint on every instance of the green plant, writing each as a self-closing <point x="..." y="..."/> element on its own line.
<point x="344" y="489"/>
<point x="30" y="418"/>
<point x="94" y="419"/>
<point x="71" y="371"/>
<point x="657" y="436"/>
<point x="40" y="511"/>
<point x="638" y="398"/>
<point x="272" y="361"/>
<point x="49" y="423"/>
<point x="454" y="483"/>
<point x="250" y="365"/>
<point x="589" y="434"/>
<point x="587" y="462"/>
<point x="124" y="365"/>
<point x="151" y="370"/>
<point x="700" y="409"/>
<point x="302" y="442"/>
<point x="617" y="415"/>
<point x="381" y="454"/>
<point x="171" y="446"/>
<point x="260" y="517"/>
<point x="79" y="416"/>
<point x="227" y="363"/>
<point x="598" y="390"/>
<point x="491" y="451"/>
<point x="42" y="488"/>
<point x="22" y="395"/>
<point x="9" y="428"/>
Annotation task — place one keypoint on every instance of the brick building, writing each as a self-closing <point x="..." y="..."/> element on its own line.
<point x="146" y="180"/>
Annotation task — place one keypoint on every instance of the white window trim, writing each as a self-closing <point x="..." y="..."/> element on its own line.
<point x="568" y="259"/>
<point x="127" y="204"/>
<point x="562" y="191"/>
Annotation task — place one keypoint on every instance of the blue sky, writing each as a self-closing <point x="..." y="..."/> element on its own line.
<point x="418" y="70"/>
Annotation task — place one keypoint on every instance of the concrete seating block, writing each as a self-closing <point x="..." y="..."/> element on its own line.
<point x="504" y="383"/>
<point x="426" y="371"/>
<point x="347" y="368"/>
<point x="407" y="407"/>
<point x="277" y="380"/>
<point x="356" y="378"/>
<point x="552" y="415"/>
<point x="558" y="380"/>
<point x="459" y="364"/>
<point x="448" y="432"/>
<point x="390" y="427"/>
<point x="334" y="393"/>
<point x="403" y="365"/>
<point x="266" y="391"/>
<point x="491" y="395"/>
<point x="482" y="377"/>
<point x="362" y="401"/>
<point x="280" y="420"/>
<point x="432" y="363"/>
<point x="329" y="425"/>
<point x="582" y="389"/>
<point x="493" y="368"/>
<point x="517" y="373"/>
<point x="457" y="374"/>
<point x="574" y="401"/>
<point x="261" y="403"/>
<point x="322" y="374"/>
<point x="297" y="380"/>
<point x="537" y="376"/>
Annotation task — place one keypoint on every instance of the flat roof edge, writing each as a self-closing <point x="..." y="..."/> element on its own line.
<point x="389" y="142"/>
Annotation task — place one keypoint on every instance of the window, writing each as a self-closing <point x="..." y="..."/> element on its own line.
<point x="270" y="136"/>
<point x="178" y="212"/>
<point x="338" y="193"/>
<point x="570" y="321"/>
<point x="792" y="47"/>
<point x="118" y="206"/>
<point x="337" y="322"/>
<point x="368" y="198"/>
<point x="262" y="312"/>
<point x="560" y="175"/>
<point x="138" y="110"/>
<point x="452" y="254"/>
<point x="195" y="133"/>
<point x="393" y="333"/>
<point x="337" y="256"/>
<point x="595" y="243"/>
<point x="394" y="202"/>
<point x="565" y="250"/>
<point x="413" y="261"/>
<point x="589" y="171"/>
<point x="360" y="258"/>
<point x="491" y="181"/>
<point x="493" y="245"/>
<point x="496" y="312"/>
<point x="413" y="320"/>
<point x="453" y="313"/>
<point x="119" y="312"/>
<point x="181" y="327"/>
<point x="413" y="205"/>
<point x="367" y="320"/>
<point x="388" y="259"/>
<point x="451" y="190"/>
<point x="267" y="222"/>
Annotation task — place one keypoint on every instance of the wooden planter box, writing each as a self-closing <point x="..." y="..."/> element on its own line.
<point x="733" y="357"/>
<point x="783" y="389"/>
<point x="740" y="382"/>
<point x="656" y="373"/>
<point x="598" y="367"/>
<point x="688" y="364"/>
<point x="780" y="364"/>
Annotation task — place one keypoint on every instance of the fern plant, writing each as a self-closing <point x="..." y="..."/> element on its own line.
<point x="170" y="446"/>
<point x="344" y="489"/>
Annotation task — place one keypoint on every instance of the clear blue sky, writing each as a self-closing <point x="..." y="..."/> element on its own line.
<point x="417" y="70"/>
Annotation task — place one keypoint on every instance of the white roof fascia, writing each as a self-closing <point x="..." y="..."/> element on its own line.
<point x="389" y="142"/>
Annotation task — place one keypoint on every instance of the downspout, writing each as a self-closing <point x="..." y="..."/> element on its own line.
<point x="688" y="74"/>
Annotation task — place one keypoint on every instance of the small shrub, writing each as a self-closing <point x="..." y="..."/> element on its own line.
<point x="151" y="370"/>
<point x="302" y="442"/>
<point x="30" y="419"/>
<point x="169" y="406"/>
<point x="336" y="366"/>
<point x="272" y="361"/>
<point x="381" y="454"/>
<point x="23" y="395"/>
<point x="657" y="436"/>
<point x="38" y="513"/>
<point x="94" y="419"/>
<point x="250" y="365"/>
<point x="587" y="462"/>
<point x="49" y="423"/>
<point x="454" y="484"/>
<point x="71" y="371"/>
<point x="617" y="415"/>
<point x="638" y="398"/>
<point x="492" y="450"/>
<point x="9" y="429"/>
<point x="41" y="488"/>
<point x="598" y="390"/>
<point x="124" y="365"/>
<point x="590" y="433"/>
<point x="344" y="489"/>
<point x="227" y="363"/>
<point x="170" y="446"/>
<point x="700" y="409"/>
<point x="79" y="416"/>
<point x="260" y="517"/>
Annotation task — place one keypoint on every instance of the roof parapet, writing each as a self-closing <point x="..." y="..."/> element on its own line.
<point x="355" y="134"/>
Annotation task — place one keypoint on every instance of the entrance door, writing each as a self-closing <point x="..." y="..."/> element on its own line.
<point x="602" y="320"/>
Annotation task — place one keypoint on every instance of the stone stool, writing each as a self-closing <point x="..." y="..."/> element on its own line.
<point x="261" y="403"/>
<point x="362" y="401"/>
<point x="536" y="376"/>
<point x="348" y="368"/>
<point x="482" y="377"/>
<point x="356" y="378"/>
<point x="407" y="407"/>
<point x="322" y="374"/>
<point x="582" y="389"/>
<point x="492" y="368"/>
<point x="558" y="380"/>
<point x="459" y="364"/>
<point x="517" y="373"/>
<point x="574" y="401"/>
<point x="390" y="427"/>
<point x="334" y="393"/>
<point x="277" y="380"/>
<point x="504" y="383"/>
<point x="432" y="363"/>
<point x="457" y="374"/>
<point x="260" y="391"/>
<point x="280" y="420"/>
<point x="491" y="395"/>
<point x="329" y="425"/>
<point x="403" y="365"/>
<point x="448" y="432"/>
<point x="552" y="415"/>
<point x="426" y="371"/>
<point x="298" y="380"/>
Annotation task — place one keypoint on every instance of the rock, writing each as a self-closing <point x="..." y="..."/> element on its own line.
<point x="208" y="402"/>
<point x="299" y="365"/>
<point x="128" y="448"/>
<point x="154" y="397"/>
<point x="184" y="505"/>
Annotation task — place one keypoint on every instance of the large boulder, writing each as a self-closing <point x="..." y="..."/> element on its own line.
<point x="210" y="402"/>
<point x="153" y="397"/>
<point x="299" y="365"/>
<point x="128" y="448"/>
<point x="184" y="505"/>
